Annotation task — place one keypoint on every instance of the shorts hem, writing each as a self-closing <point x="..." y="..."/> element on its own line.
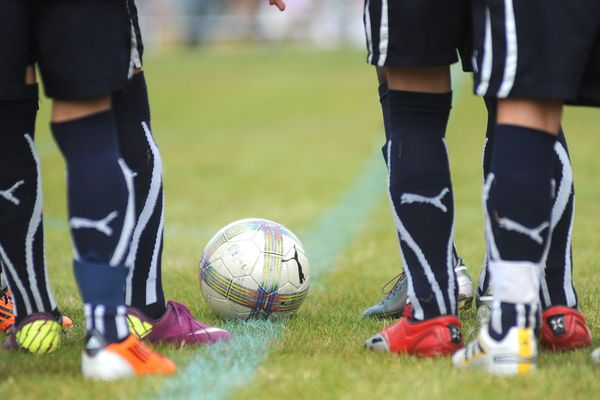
<point x="79" y="91"/>
<point x="416" y="60"/>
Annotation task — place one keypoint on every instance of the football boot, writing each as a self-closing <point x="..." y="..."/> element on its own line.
<point x="106" y="362"/>
<point x="395" y="301"/>
<point x="7" y="317"/>
<point x="564" y="328"/>
<point x="176" y="326"/>
<point x="38" y="333"/>
<point x="516" y="354"/>
<point x="440" y="336"/>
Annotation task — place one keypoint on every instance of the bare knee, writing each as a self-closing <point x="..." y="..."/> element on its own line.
<point x="425" y="80"/>
<point x="30" y="78"/>
<point x="538" y="114"/>
<point x="67" y="110"/>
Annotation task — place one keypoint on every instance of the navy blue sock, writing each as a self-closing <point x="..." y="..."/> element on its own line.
<point x="421" y="195"/>
<point x="21" y="228"/>
<point x="519" y="196"/>
<point x="557" y="287"/>
<point x="140" y="152"/>
<point x="101" y="212"/>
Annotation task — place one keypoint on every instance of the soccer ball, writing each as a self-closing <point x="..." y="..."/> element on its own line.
<point x="254" y="268"/>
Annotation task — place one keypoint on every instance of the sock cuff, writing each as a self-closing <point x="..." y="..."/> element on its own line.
<point x="515" y="281"/>
<point x="524" y="133"/>
<point x="523" y="149"/>
<point x="87" y="137"/>
<point x="419" y="100"/>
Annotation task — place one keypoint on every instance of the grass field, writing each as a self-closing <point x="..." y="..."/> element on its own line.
<point x="286" y="135"/>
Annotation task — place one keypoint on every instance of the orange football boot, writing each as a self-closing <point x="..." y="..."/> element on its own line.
<point x="7" y="318"/>
<point x="102" y="361"/>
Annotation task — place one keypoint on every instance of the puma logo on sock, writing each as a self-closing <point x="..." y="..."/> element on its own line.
<point x="533" y="233"/>
<point x="101" y="225"/>
<point x="436" y="201"/>
<point x="8" y="194"/>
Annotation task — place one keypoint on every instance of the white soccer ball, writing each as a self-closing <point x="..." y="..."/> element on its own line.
<point x="254" y="268"/>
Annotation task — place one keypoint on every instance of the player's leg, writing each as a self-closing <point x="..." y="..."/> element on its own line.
<point x="519" y="189"/>
<point x="419" y="101"/>
<point x="21" y="236"/>
<point x="100" y="185"/>
<point x="395" y="303"/>
<point x="518" y="196"/>
<point x="563" y="325"/>
<point x="149" y="316"/>
<point x="21" y="231"/>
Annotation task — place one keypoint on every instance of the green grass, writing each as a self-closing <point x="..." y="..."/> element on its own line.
<point x="281" y="134"/>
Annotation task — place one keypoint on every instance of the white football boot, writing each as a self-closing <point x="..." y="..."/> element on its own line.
<point x="516" y="354"/>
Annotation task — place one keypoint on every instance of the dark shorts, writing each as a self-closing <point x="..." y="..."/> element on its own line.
<point x="547" y="49"/>
<point x="83" y="47"/>
<point x="16" y="47"/>
<point x="417" y="33"/>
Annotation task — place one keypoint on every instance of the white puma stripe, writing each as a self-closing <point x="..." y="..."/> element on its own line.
<point x="8" y="194"/>
<point x="436" y="201"/>
<point x="100" y="225"/>
<point x="32" y="228"/>
<point x="152" y="202"/>
<point x="533" y="233"/>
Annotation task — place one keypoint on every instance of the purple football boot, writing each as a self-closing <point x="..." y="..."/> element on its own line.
<point x="176" y="326"/>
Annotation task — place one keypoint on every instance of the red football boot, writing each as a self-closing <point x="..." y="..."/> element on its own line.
<point x="434" y="337"/>
<point x="564" y="328"/>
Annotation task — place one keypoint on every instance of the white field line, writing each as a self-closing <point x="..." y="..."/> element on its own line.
<point x="222" y="368"/>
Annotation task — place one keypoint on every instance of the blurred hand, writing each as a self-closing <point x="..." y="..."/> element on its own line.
<point x="279" y="3"/>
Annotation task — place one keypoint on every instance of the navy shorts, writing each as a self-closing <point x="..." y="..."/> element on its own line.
<point x="16" y="47"/>
<point x="547" y="49"/>
<point x="84" y="48"/>
<point x="417" y="33"/>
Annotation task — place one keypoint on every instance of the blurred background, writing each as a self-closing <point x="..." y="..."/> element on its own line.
<point x="327" y="24"/>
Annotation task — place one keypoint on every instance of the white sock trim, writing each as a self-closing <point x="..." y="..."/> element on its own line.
<point x="515" y="281"/>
